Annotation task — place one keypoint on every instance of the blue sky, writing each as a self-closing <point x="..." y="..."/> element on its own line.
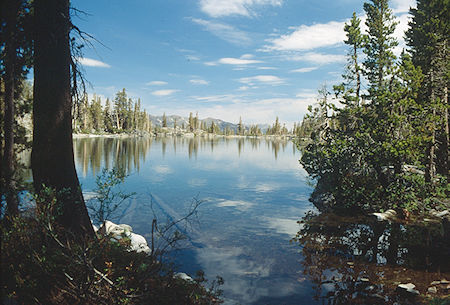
<point x="223" y="58"/>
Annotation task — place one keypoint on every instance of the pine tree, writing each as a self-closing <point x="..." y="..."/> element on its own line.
<point x="240" y="127"/>
<point x="108" y="121"/>
<point x="428" y="38"/>
<point x="350" y="89"/>
<point x="120" y="109"/>
<point x="379" y="47"/>
<point x="191" y="122"/>
<point x="96" y="114"/>
<point x="164" y="120"/>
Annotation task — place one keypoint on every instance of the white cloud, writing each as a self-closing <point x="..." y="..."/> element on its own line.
<point x="307" y="94"/>
<point x="237" y="61"/>
<point x="247" y="56"/>
<point x="309" y="37"/>
<point x="266" y="68"/>
<point x="199" y="82"/>
<point x="399" y="33"/>
<point x="229" y="107"/>
<point x="402" y="6"/>
<point x="156" y="83"/>
<point x="221" y="8"/>
<point x="289" y="110"/>
<point x="217" y="98"/>
<point x="244" y="60"/>
<point x="89" y="62"/>
<point x="266" y="79"/>
<point x="225" y="32"/>
<point x="192" y="57"/>
<point x="211" y="63"/>
<point x="164" y="92"/>
<point x="304" y="70"/>
<point x="317" y="58"/>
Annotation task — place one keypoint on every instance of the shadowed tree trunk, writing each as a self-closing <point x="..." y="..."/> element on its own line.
<point x="52" y="157"/>
<point x="12" y="9"/>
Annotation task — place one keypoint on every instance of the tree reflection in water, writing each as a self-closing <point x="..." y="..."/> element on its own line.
<point x="361" y="261"/>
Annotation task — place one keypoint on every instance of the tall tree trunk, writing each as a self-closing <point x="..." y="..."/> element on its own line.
<point x="52" y="158"/>
<point x="446" y="137"/>
<point x="2" y="99"/>
<point x="358" y="76"/>
<point x="10" y="75"/>
<point x="430" y="170"/>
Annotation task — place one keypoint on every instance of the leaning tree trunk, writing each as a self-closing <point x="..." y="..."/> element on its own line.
<point x="52" y="159"/>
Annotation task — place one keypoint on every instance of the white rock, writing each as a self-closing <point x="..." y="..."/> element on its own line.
<point x="388" y="215"/>
<point x="183" y="276"/>
<point x="432" y="289"/>
<point x="442" y="214"/>
<point x="116" y="230"/>
<point x="138" y="243"/>
<point x="409" y="288"/>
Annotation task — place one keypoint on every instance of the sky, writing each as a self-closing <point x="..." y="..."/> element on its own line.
<point x="255" y="59"/>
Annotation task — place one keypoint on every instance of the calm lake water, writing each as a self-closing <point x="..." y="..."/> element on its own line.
<point x="254" y="192"/>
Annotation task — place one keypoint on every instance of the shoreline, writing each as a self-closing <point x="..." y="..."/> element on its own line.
<point x="184" y="135"/>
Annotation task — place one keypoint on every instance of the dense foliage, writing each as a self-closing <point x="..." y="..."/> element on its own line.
<point x="386" y="146"/>
<point x="41" y="264"/>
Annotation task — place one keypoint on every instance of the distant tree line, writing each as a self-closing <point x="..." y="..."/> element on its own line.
<point x="121" y="115"/>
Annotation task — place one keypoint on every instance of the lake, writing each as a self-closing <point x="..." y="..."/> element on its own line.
<point x="253" y="191"/>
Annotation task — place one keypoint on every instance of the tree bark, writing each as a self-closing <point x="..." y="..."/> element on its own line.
<point x="52" y="158"/>
<point x="10" y="76"/>
<point x="430" y="170"/>
<point x="446" y="137"/>
<point x="358" y="76"/>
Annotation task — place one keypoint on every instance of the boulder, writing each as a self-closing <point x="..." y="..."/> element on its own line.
<point x="408" y="288"/>
<point x="389" y="215"/>
<point x="117" y="232"/>
<point x="138" y="243"/>
<point x="183" y="276"/>
<point x="432" y="289"/>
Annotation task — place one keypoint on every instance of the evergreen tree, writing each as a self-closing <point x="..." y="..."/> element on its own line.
<point x="96" y="114"/>
<point x="120" y="109"/>
<point x="350" y="89"/>
<point x="164" y="120"/>
<point x="191" y="122"/>
<point x="108" y="120"/>
<point x="240" y="127"/>
<point x="428" y="38"/>
<point x="379" y="62"/>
